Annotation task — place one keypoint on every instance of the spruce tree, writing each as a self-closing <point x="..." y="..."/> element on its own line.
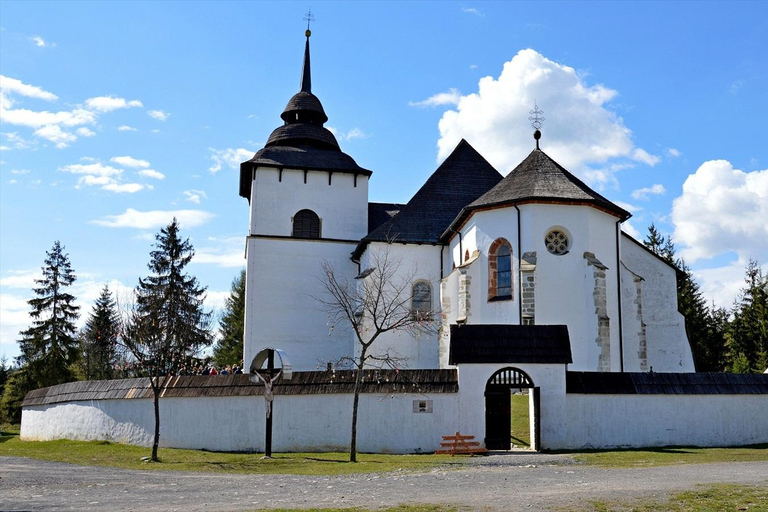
<point x="99" y="338"/>
<point x="748" y="333"/>
<point x="229" y="348"/>
<point x="168" y="323"/>
<point x="49" y="347"/>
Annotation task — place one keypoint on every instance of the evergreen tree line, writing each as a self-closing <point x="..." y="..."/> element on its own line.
<point x="722" y="339"/>
<point x="159" y="333"/>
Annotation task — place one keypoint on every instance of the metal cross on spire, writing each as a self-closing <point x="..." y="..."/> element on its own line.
<point x="309" y="18"/>
<point x="536" y="119"/>
<point x="536" y="116"/>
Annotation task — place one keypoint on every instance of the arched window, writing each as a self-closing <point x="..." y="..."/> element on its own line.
<point x="500" y="270"/>
<point x="306" y="224"/>
<point x="421" y="300"/>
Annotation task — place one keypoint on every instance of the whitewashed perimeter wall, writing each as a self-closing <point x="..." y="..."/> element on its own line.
<point x="634" y="421"/>
<point x="386" y="423"/>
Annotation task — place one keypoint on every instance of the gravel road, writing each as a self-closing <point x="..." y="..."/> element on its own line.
<point x="494" y="483"/>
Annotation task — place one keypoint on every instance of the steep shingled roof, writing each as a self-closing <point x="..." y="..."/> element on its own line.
<point x="302" y="142"/>
<point x="463" y="177"/>
<point x="539" y="178"/>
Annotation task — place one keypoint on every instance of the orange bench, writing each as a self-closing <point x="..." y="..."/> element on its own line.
<point x="460" y="444"/>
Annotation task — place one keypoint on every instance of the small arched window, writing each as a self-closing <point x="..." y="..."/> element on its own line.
<point x="500" y="270"/>
<point x="421" y="300"/>
<point x="306" y="224"/>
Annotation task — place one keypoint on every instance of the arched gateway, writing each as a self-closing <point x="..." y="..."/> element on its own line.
<point x="498" y="408"/>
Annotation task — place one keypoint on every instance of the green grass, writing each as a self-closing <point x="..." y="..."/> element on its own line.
<point x="104" y="453"/>
<point x="399" y="508"/>
<point x="521" y="425"/>
<point x="669" y="456"/>
<point x="702" y="499"/>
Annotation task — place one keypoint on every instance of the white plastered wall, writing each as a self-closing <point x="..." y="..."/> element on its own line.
<point x="341" y="206"/>
<point x="283" y="282"/>
<point x="564" y="284"/>
<point x="284" y="275"/>
<point x="667" y="343"/>
<point x="633" y="421"/>
<point x="415" y="262"/>
<point x="386" y="422"/>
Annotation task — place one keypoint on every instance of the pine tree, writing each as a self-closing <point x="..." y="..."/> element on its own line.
<point x="99" y="339"/>
<point x="168" y="323"/>
<point x="704" y="327"/>
<point x="229" y="348"/>
<point x="748" y="333"/>
<point x="50" y="347"/>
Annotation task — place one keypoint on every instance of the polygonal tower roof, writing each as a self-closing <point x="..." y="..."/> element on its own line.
<point x="538" y="179"/>
<point x="302" y="142"/>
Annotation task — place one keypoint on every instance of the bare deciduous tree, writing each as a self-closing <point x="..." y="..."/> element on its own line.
<point x="377" y="301"/>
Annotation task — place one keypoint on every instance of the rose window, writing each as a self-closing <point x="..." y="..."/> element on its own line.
<point x="556" y="242"/>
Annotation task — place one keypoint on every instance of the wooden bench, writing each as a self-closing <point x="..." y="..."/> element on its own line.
<point x="460" y="444"/>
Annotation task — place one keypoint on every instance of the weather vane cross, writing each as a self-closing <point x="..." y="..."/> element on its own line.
<point x="536" y="117"/>
<point x="309" y="18"/>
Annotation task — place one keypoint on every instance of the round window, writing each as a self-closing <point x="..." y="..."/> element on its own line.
<point x="557" y="241"/>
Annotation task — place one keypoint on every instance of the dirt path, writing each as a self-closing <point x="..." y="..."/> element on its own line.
<point x="494" y="483"/>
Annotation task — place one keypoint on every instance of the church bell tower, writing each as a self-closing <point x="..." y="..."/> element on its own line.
<point x="308" y="205"/>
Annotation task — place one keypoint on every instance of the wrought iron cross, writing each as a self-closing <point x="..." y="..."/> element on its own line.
<point x="309" y="17"/>
<point x="536" y="116"/>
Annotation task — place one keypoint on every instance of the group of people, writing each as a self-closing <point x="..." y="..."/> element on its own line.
<point x="211" y="370"/>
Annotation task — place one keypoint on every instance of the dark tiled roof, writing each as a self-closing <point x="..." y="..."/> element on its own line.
<point x="302" y="383"/>
<point x="306" y="101"/>
<point x="600" y="383"/>
<point x="539" y="178"/>
<point x="379" y="213"/>
<point x="486" y="343"/>
<point x="463" y="177"/>
<point x="302" y="134"/>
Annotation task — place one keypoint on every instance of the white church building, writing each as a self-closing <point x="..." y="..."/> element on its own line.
<point x="529" y="277"/>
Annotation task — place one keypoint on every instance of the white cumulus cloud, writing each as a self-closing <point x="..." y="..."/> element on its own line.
<point x="151" y="173"/>
<point x="194" y="196"/>
<point x="226" y="252"/>
<point x="85" y="132"/>
<point x="159" y="115"/>
<point x="9" y="86"/>
<point x="643" y="193"/>
<point x="580" y="132"/>
<point x="128" y="161"/>
<point x="451" y="97"/>
<point x="230" y="157"/>
<point x="55" y="134"/>
<point x="154" y="219"/>
<point x="126" y="128"/>
<point x="106" y="177"/>
<point x="110" y="103"/>
<point x="722" y="210"/>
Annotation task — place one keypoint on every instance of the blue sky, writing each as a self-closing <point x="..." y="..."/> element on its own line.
<point x="117" y="116"/>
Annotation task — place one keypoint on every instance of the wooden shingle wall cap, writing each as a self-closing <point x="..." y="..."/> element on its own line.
<point x="636" y="383"/>
<point x="302" y="383"/>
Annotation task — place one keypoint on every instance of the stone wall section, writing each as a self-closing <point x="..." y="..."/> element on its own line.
<point x="464" y="296"/>
<point x="642" y="352"/>
<point x="528" y="284"/>
<point x="600" y="295"/>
